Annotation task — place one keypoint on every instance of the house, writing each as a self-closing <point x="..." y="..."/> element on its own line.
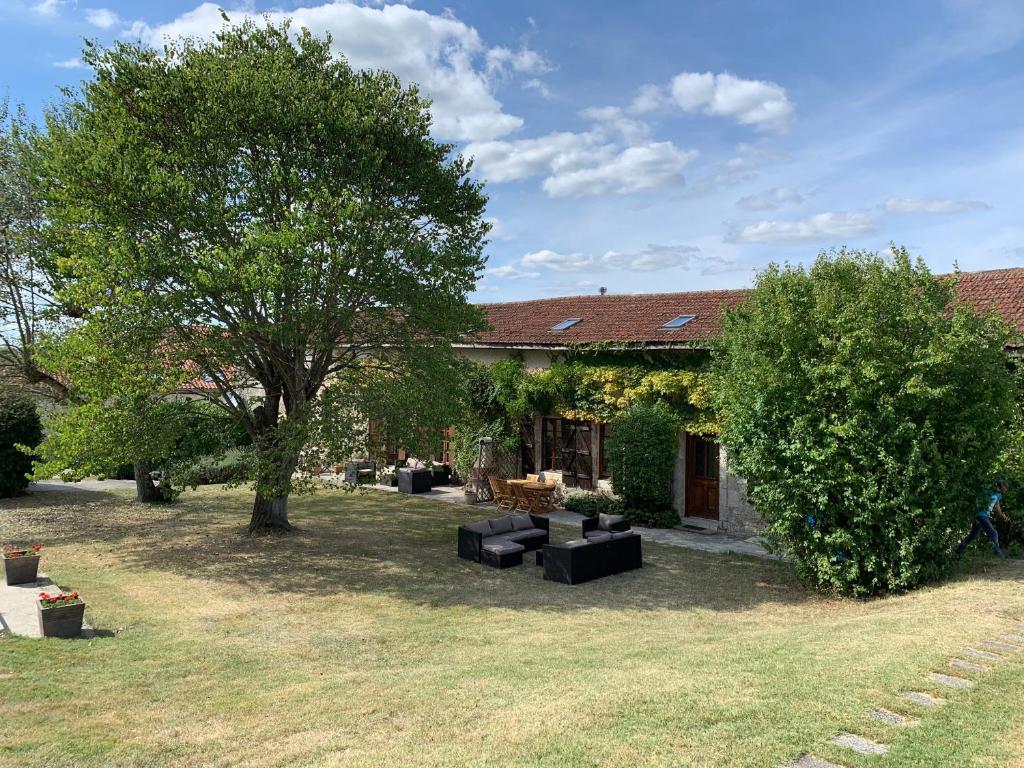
<point x="542" y="331"/>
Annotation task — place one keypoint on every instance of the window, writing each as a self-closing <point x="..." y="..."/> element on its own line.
<point x="677" y="322"/>
<point x="566" y="324"/>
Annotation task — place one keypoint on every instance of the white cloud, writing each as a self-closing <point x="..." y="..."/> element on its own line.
<point x="510" y="272"/>
<point x="932" y="205"/>
<point x="649" y="99"/>
<point x="750" y="102"/>
<point x="69" y="64"/>
<point x="614" y="120"/>
<point x="823" y="226"/>
<point x="649" y="259"/>
<point x="538" y="85"/>
<point x="499" y="161"/>
<point x="445" y="56"/>
<point x="49" y="8"/>
<point x="104" y="18"/>
<point x="634" y="169"/>
<point x="770" y="199"/>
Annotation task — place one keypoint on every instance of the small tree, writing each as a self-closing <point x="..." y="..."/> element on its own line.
<point x="19" y="428"/>
<point x="251" y="211"/>
<point x="866" y="407"/>
<point x="641" y="445"/>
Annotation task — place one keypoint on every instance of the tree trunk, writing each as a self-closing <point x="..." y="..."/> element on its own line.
<point x="269" y="514"/>
<point x="145" y="489"/>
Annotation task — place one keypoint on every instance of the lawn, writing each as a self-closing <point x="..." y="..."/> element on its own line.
<point x="363" y="640"/>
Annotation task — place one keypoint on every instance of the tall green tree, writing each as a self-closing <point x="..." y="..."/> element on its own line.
<point x="253" y="213"/>
<point x="866" y="407"/>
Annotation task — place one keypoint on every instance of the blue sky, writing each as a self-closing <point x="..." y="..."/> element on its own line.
<point x="665" y="146"/>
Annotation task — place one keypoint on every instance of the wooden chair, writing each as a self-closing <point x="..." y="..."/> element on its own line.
<point x="539" y="501"/>
<point x="502" y="497"/>
<point x="519" y="494"/>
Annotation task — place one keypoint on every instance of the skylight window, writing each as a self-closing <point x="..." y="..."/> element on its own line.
<point x="677" y="322"/>
<point x="566" y="324"/>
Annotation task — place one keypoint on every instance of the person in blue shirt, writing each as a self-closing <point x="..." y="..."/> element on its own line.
<point x="982" y="523"/>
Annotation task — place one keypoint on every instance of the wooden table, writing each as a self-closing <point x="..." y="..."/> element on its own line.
<point x="536" y="495"/>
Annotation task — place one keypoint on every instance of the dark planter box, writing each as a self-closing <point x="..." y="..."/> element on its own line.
<point x="441" y="476"/>
<point x="21" y="570"/>
<point x="61" y="620"/>
<point x="413" y="480"/>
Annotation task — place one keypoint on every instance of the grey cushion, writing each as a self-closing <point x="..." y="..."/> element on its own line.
<point x="501" y="524"/>
<point x="621" y="534"/>
<point x="576" y="543"/>
<point x="598" y="536"/>
<point x="531" y="533"/>
<point x="502" y="546"/>
<point x="606" y="522"/>
<point x="521" y="522"/>
<point x="483" y="527"/>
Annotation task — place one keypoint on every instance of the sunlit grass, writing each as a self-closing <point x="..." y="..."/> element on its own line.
<point x="364" y="641"/>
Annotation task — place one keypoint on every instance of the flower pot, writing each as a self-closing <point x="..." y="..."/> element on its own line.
<point x="22" y="569"/>
<point x="470" y="497"/>
<point x="61" y="620"/>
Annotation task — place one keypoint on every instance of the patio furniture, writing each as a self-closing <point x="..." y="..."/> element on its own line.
<point x="501" y="541"/>
<point x="532" y="497"/>
<point x="533" y="478"/>
<point x="357" y="472"/>
<point x="413" y="480"/>
<point x="502" y="493"/>
<point x="575" y="562"/>
<point x="440" y="474"/>
<point x="601" y="526"/>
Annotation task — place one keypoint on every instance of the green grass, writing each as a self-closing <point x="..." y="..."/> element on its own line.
<point x="364" y="641"/>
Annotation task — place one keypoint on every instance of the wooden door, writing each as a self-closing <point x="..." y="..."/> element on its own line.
<point x="701" y="477"/>
<point x="577" y="460"/>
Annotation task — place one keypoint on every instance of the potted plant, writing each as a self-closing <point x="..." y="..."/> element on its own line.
<point x="388" y="476"/>
<point x="470" y="490"/>
<point x="60" y="615"/>
<point x="21" y="566"/>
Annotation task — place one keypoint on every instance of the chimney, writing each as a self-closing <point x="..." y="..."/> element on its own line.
<point x="602" y="290"/>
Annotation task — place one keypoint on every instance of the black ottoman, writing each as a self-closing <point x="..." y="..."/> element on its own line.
<point x="504" y="554"/>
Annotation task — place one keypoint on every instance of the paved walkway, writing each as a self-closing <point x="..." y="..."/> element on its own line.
<point x="56" y="484"/>
<point x="18" y="614"/>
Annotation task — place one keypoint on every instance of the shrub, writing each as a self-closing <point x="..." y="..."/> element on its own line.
<point x="234" y="468"/>
<point x="867" y="409"/>
<point x="593" y="504"/>
<point x="652" y="517"/>
<point x="19" y="425"/>
<point x="641" y="446"/>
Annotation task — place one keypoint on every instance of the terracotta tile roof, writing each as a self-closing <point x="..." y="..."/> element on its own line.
<point x="1001" y="289"/>
<point x="637" y="318"/>
<point x="629" y="318"/>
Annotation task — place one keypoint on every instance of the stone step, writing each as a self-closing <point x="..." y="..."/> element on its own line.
<point x="949" y="680"/>
<point x="891" y="718"/>
<point x="923" y="699"/>
<point x="981" y="654"/>
<point x="810" y="761"/>
<point x="968" y="665"/>
<point x="1019" y="627"/>
<point x="1014" y="638"/>
<point x="859" y="744"/>
<point x="1001" y="646"/>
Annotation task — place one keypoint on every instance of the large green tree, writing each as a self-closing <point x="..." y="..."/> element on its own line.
<point x="866" y="407"/>
<point x="254" y="214"/>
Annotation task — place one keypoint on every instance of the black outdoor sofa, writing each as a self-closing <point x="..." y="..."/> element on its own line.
<point x="501" y="541"/>
<point x="608" y="546"/>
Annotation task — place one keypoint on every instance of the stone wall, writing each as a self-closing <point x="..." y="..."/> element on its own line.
<point x="735" y="514"/>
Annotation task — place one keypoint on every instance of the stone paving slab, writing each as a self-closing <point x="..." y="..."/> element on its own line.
<point x="923" y="699"/>
<point x="810" y="761"/>
<point x="1001" y="646"/>
<point x="1014" y="638"/>
<point x="891" y="718"/>
<point x="968" y="665"/>
<point x="1019" y="627"/>
<point x="949" y="680"/>
<point x="859" y="744"/>
<point x="981" y="654"/>
<point x="18" y="614"/>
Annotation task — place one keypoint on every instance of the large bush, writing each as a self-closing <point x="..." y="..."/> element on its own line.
<point x="19" y="425"/>
<point x="641" y="448"/>
<point x="866" y="408"/>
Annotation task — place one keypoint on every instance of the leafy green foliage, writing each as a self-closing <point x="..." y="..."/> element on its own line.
<point x="593" y="504"/>
<point x="867" y="409"/>
<point x="642" y="445"/>
<point x="251" y="211"/>
<point x="19" y="426"/>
